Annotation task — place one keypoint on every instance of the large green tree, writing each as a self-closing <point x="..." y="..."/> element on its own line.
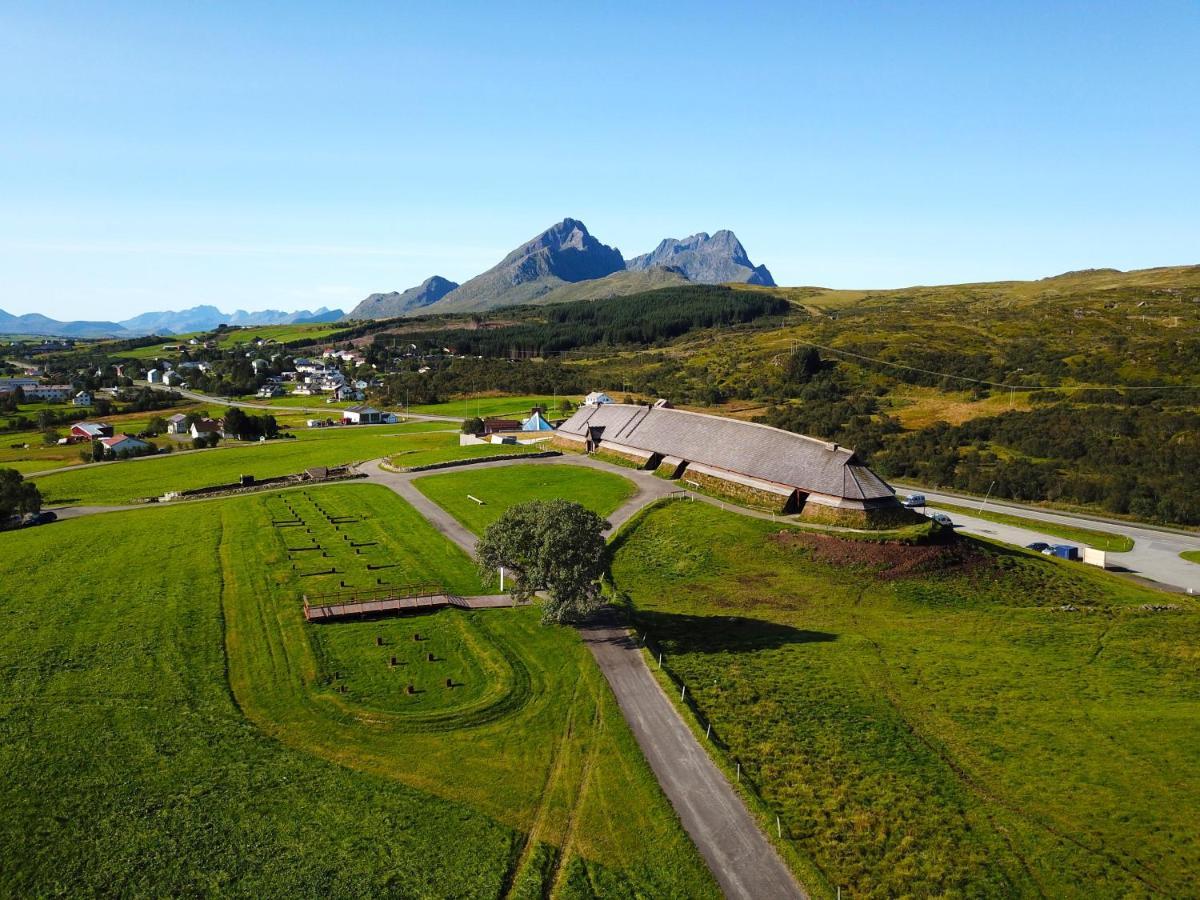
<point x="552" y="546"/>
<point x="17" y="496"/>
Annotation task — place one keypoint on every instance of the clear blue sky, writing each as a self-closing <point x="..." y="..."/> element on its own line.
<point x="252" y="155"/>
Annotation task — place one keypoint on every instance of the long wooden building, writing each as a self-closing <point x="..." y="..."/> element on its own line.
<point x="745" y="461"/>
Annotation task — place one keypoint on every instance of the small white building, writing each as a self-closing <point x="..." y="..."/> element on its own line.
<point x="124" y="445"/>
<point x="177" y="424"/>
<point x="154" y="376"/>
<point x="173" y="379"/>
<point x="596" y="398"/>
<point x="83" y="398"/>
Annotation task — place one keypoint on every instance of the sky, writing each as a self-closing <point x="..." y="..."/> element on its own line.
<point x="294" y="155"/>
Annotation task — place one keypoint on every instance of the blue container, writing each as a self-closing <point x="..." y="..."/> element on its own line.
<point x="1065" y="551"/>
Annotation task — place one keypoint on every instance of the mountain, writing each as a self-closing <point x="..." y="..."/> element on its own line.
<point x="563" y="254"/>
<point x="206" y="318"/>
<point x="397" y="303"/>
<point x="618" y="284"/>
<point x="198" y="318"/>
<point x="717" y="259"/>
<point x="35" y="323"/>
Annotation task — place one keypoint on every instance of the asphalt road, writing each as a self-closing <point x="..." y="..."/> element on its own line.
<point x="1154" y="557"/>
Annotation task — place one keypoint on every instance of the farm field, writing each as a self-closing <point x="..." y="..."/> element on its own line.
<point x="993" y="724"/>
<point x="279" y="333"/>
<point x="1101" y="540"/>
<point x="123" y="482"/>
<point x="222" y="752"/>
<point x="505" y="486"/>
<point x="492" y="405"/>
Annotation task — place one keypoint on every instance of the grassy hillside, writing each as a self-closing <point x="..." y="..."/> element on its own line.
<point x="232" y="749"/>
<point x="957" y="721"/>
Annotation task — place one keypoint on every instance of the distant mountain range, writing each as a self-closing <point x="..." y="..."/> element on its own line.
<point x="198" y="318"/>
<point x="565" y="262"/>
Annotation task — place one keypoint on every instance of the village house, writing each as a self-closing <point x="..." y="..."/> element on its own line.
<point x="154" y="376"/>
<point x="48" y="393"/>
<point x="124" y="445"/>
<point x="177" y="424"/>
<point x="83" y="398"/>
<point x="173" y="379"/>
<point x="595" y="398"/>
<point x="205" y="427"/>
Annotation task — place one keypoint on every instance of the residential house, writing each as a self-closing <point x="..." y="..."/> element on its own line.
<point x="154" y="376"/>
<point x="124" y="445"/>
<point x="595" y="398"/>
<point x="173" y="379"/>
<point x="205" y="427"/>
<point x="83" y="398"/>
<point x="48" y="393"/>
<point x="177" y="424"/>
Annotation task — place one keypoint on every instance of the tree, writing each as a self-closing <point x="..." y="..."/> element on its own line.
<point x="556" y="546"/>
<point x="157" y="425"/>
<point x="17" y="496"/>
<point x="472" y="426"/>
<point x="802" y="365"/>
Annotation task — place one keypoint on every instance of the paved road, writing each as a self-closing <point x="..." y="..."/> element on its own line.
<point x="742" y="859"/>
<point x="1155" y="553"/>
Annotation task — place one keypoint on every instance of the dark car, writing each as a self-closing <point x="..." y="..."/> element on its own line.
<point x="41" y="518"/>
<point x="1038" y="546"/>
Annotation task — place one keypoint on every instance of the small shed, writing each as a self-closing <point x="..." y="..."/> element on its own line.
<point x="361" y="415"/>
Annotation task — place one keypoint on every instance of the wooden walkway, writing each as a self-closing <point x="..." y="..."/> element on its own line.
<point x="352" y="604"/>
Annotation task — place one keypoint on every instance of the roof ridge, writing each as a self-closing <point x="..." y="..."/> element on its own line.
<point x="832" y="446"/>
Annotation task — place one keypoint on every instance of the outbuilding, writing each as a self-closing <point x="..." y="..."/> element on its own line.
<point x="361" y="415"/>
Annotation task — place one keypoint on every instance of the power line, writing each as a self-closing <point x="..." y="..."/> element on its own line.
<point x="1000" y="384"/>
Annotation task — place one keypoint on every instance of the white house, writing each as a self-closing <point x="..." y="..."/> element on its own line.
<point x="173" y="379"/>
<point x="49" y="393"/>
<point x="595" y="398"/>
<point x="83" y="398"/>
<point x="177" y="424"/>
<point x="124" y="445"/>
<point x="154" y="376"/>
<point x="205" y="427"/>
<point x="361" y="415"/>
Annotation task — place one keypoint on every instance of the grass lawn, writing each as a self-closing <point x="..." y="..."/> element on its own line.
<point x="122" y="482"/>
<point x="504" y="486"/>
<point x="1101" y="540"/>
<point x="953" y="733"/>
<point x="280" y="333"/>
<point x="183" y="730"/>
<point x="443" y="448"/>
<point x="1191" y="555"/>
<point x="491" y="405"/>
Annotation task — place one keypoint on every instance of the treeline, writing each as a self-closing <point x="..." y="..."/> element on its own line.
<point x="638" y="319"/>
<point x="460" y="376"/>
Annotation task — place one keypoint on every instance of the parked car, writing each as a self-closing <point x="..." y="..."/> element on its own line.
<point x="914" y="500"/>
<point x="42" y="518"/>
<point x="942" y="519"/>
<point x="1038" y="546"/>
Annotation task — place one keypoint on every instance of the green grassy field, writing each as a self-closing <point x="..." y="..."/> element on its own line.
<point x="502" y="487"/>
<point x="181" y="729"/>
<point x="1101" y="540"/>
<point x="517" y="406"/>
<point x="951" y="732"/>
<point x="123" y="482"/>
<point x="444" y="450"/>
<point x="278" y="333"/>
<point x="1191" y="555"/>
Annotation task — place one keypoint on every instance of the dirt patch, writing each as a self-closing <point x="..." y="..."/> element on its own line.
<point x="890" y="559"/>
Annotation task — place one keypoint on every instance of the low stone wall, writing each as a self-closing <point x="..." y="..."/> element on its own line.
<point x="266" y="484"/>
<point x="737" y="493"/>
<point x="884" y="517"/>
<point x="473" y="461"/>
<point x="567" y="445"/>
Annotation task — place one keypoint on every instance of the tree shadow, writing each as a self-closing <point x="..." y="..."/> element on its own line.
<point x="721" y="634"/>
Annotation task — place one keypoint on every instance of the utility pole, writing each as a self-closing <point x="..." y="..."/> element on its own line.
<point x="988" y="494"/>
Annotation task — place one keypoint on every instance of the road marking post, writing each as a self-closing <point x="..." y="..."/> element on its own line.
<point x="683" y="693"/>
<point x="708" y="732"/>
<point x="778" y="827"/>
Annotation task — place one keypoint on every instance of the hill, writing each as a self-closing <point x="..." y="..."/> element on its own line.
<point x="398" y="303"/>
<point x="718" y="259"/>
<point x="618" y="284"/>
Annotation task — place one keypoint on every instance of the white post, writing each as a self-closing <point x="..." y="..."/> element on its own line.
<point x="778" y="827"/>
<point x="502" y="579"/>
<point x="660" y="652"/>
<point x="739" y="774"/>
<point x="683" y="693"/>
<point x="708" y="732"/>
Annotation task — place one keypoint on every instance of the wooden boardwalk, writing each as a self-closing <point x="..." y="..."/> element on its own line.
<point x="352" y="604"/>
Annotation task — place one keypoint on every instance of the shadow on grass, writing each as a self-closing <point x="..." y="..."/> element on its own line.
<point x="718" y="634"/>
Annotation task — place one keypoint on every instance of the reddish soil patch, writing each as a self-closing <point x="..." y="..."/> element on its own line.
<point x="890" y="559"/>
